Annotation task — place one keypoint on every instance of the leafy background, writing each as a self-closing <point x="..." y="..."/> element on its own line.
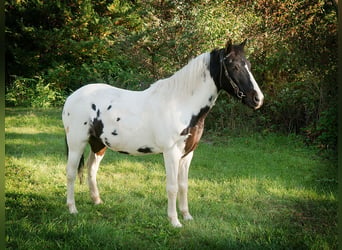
<point x="54" y="47"/>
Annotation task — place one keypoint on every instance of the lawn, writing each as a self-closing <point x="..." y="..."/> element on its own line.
<point x="253" y="192"/>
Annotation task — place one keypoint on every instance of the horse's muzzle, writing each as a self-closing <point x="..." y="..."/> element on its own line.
<point x="254" y="100"/>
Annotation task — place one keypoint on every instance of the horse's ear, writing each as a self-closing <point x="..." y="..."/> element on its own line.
<point x="229" y="46"/>
<point x="242" y="45"/>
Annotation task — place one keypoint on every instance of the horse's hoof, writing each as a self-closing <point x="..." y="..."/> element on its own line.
<point x="72" y="209"/>
<point x="187" y="216"/>
<point x="98" y="201"/>
<point x="177" y="225"/>
<point x="175" y="222"/>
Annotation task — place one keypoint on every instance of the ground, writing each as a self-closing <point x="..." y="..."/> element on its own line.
<point x="259" y="191"/>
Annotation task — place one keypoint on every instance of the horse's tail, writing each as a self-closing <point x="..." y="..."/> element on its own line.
<point x="80" y="164"/>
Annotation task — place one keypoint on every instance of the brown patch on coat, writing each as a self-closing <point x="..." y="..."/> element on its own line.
<point x="97" y="145"/>
<point x="102" y="151"/>
<point x="195" y="134"/>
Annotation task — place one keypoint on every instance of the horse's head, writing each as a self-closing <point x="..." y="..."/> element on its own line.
<point x="236" y="77"/>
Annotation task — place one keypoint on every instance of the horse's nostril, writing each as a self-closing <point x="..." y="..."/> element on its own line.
<point x="256" y="99"/>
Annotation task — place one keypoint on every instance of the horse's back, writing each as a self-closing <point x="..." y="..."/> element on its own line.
<point x="91" y="93"/>
<point x="123" y="119"/>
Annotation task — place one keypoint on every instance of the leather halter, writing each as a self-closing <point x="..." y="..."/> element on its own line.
<point x="237" y="91"/>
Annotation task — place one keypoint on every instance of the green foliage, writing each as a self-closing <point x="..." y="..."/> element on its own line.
<point x="251" y="192"/>
<point x="324" y="133"/>
<point x="327" y="128"/>
<point x="33" y="92"/>
<point x="130" y="44"/>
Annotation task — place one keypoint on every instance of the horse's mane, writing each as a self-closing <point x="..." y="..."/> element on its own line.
<point x="187" y="78"/>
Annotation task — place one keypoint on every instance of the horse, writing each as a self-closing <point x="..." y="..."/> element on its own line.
<point x="168" y="118"/>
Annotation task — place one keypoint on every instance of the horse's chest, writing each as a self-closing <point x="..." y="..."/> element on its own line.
<point x="195" y="130"/>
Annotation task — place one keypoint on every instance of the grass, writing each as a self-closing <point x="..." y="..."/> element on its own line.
<point x="252" y="192"/>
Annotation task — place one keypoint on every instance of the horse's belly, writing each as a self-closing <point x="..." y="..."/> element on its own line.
<point x="131" y="135"/>
<point x="132" y="143"/>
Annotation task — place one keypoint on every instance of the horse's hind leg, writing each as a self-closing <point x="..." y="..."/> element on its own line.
<point x="93" y="166"/>
<point x="74" y="157"/>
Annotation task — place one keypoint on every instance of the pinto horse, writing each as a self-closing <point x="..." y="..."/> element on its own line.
<point x="168" y="118"/>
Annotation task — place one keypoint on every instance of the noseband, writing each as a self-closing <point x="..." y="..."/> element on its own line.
<point x="237" y="91"/>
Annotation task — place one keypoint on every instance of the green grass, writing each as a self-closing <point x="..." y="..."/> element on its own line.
<point x="252" y="192"/>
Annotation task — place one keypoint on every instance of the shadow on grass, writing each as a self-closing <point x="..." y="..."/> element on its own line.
<point x="33" y="145"/>
<point x="276" y="223"/>
<point x="35" y="220"/>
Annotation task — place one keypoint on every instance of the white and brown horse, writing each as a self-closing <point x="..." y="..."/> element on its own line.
<point x="166" y="118"/>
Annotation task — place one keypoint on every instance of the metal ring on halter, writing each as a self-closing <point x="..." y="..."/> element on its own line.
<point x="240" y="94"/>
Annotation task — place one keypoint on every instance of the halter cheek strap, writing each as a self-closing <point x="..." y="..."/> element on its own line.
<point x="237" y="91"/>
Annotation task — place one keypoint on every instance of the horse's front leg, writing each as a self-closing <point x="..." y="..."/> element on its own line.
<point x="171" y="159"/>
<point x="183" y="186"/>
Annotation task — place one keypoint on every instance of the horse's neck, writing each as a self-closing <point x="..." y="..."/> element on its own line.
<point x="192" y="85"/>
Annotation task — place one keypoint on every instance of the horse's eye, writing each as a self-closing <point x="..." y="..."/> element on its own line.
<point x="236" y="68"/>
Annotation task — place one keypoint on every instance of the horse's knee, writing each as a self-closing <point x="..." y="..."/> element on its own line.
<point x="183" y="187"/>
<point x="172" y="189"/>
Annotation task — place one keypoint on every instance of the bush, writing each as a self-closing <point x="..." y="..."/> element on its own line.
<point x="33" y="92"/>
<point x="130" y="44"/>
